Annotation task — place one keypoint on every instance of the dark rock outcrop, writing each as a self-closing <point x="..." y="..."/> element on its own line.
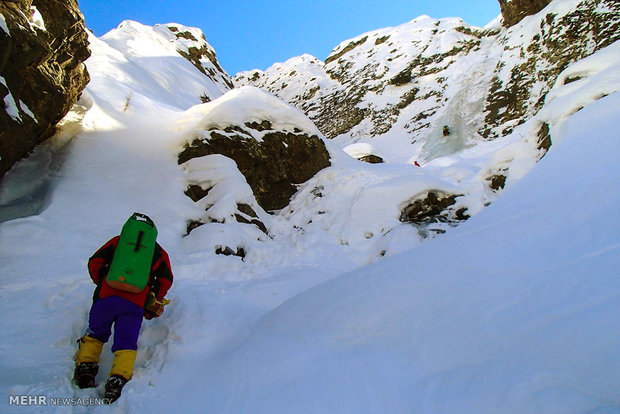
<point x="372" y="159"/>
<point x="497" y="181"/>
<point x="43" y="44"/>
<point x="544" y="140"/>
<point x="228" y="251"/>
<point x="272" y="166"/>
<point x="513" y="11"/>
<point x="433" y="207"/>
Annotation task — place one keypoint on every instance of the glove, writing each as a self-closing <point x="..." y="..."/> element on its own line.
<point x="153" y="307"/>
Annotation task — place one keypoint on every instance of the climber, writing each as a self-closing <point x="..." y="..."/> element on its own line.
<point x="133" y="274"/>
<point x="446" y="130"/>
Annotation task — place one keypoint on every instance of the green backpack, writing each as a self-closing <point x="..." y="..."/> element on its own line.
<point x="133" y="257"/>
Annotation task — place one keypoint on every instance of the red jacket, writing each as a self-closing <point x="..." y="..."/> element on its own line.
<point x="159" y="282"/>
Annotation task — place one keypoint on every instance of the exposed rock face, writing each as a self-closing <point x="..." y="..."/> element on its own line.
<point x="272" y="166"/>
<point x="42" y="46"/>
<point x="513" y="11"/>
<point x="497" y="181"/>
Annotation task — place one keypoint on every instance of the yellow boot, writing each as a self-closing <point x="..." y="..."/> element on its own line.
<point x="121" y="372"/>
<point x="87" y="362"/>
<point x="89" y="351"/>
<point x="123" y="363"/>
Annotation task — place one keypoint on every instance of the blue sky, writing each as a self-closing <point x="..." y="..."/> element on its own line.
<point x="250" y="35"/>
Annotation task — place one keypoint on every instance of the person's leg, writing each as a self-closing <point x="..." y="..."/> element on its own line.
<point x="126" y="331"/>
<point x="127" y="326"/>
<point x="102" y="316"/>
<point x="91" y="344"/>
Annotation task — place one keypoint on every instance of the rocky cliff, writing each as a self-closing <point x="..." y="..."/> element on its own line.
<point x="407" y="82"/>
<point x="43" y="45"/>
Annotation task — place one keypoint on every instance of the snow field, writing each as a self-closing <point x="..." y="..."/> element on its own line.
<point x="514" y="311"/>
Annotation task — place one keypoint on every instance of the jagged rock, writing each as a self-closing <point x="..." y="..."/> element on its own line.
<point x="335" y="56"/>
<point x="513" y="11"/>
<point x="42" y="47"/>
<point x="228" y="251"/>
<point x="272" y="166"/>
<point x="432" y="207"/>
<point x="247" y="215"/>
<point x="200" y="54"/>
<point x="544" y="140"/>
<point x="196" y="192"/>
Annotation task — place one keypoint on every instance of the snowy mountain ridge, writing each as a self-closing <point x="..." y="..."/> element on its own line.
<point x="152" y="61"/>
<point x="403" y="84"/>
<point x="351" y="298"/>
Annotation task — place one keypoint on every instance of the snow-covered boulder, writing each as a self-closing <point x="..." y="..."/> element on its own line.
<point x="364" y="152"/>
<point x="273" y="144"/>
<point x="217" y="187"/>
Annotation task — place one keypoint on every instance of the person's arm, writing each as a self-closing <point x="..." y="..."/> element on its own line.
<point x="99" y="263"/>
<point x="162" y="273"/>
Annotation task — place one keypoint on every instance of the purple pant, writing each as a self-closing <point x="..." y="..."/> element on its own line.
<point x="126" y="317"/>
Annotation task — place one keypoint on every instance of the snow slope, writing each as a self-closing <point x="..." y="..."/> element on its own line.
<point x="514" y="311"/>
<point x="134" y="63"/>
